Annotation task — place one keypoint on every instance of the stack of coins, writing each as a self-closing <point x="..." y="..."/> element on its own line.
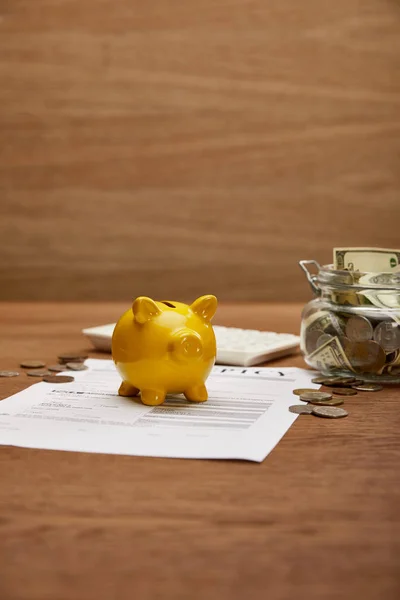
<point x="360" y="344"/>
<point x="72" y="361"/>
<point x="326" y="404"/>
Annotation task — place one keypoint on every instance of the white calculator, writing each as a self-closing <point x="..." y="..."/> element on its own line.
<point x="238" y="347"/>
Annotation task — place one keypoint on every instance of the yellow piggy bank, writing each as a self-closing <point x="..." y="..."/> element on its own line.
<point x="165" y="347"/>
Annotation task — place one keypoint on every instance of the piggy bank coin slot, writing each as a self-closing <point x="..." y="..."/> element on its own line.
<point x="168" y="304"/>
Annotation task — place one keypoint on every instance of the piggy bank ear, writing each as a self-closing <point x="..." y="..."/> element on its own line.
<point x="205" y="307"/>
<point x="144" y="309"/>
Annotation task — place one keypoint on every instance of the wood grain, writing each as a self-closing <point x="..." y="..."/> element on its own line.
<point x="317" y="519"/>
<point x="171" y="149"/>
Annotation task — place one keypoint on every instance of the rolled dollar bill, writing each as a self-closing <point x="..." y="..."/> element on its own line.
<point x="325" y="321"/>
<point x="330" y="356"/>
<point x="386" y="300"/>
<point x="366" y="259"/>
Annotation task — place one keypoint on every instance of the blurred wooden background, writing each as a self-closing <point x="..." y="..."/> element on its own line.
<point x="176" y="147"/>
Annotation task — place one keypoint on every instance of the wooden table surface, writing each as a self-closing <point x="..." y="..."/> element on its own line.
<point x="318" y="519"/>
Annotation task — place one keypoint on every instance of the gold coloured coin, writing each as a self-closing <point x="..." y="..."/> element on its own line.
<point x="330" y="402"/>
<point x="71" y="357"/>
<point x="366" y="357"/>
<point x="308" y="396"/>
<point x="301" y="391"/>
<point x="344" y="392"/>
<point x="319" y="380"/>
<point x="339" y="381"/>
<point x="300" y="409"/>
<point x="32" y="364"/>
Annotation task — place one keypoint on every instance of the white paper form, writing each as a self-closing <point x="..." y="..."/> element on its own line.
<point x="244" y="418"/>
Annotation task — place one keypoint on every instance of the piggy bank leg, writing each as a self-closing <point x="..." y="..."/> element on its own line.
<point x="126" y="389"/>
<point x="152" y="397"/>
<point x="197" y="393"/>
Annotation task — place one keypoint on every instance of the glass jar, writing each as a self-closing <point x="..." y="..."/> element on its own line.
<point x="353" y="324"/>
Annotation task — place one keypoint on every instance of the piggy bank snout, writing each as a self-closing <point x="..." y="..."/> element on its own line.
<point x="187" y="345"/>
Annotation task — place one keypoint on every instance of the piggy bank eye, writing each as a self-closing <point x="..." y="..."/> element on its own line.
<point x="168" y="304"/>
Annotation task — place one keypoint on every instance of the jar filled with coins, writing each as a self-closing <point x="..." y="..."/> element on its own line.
<point x="352" y="326"/>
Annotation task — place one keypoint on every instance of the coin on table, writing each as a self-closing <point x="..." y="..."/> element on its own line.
<point x="341" y="391"/>
<point x="359" y="329"/>
<point x="38" y="373"/>
<point x="32" y="364"/>
<point x="368" y="387"/>
<point x="345" y="381"/>
<point x="301" y="409"/>
<point x="9" y="373"/>
<point x="330" y="402"/>
<point x="366" y="356"/>
<point x="319" y="379"/>
<point x="76" y="366"/>
<point x="57" y="368"/>
<point x="329" y="412"/>
<point x="301" y="391"/>
<point x="387" y="335"/>
<point x="357" y="382"/>
<point x="58" y="379"/>
<point x="308" y="396"/>
<point x="330" y="381"/>
<point x="339" y="381"/>
<point x="72" y="357"/>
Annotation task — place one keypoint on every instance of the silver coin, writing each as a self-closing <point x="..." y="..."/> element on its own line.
<point x="387" y="335"/>
<point x="301" y="409"/>
<point x="329" y="412"/>
<point x="359" y="329"/>
<point x="9" y="373"/>
<point x="76" y="366"/>
<point x="368" y="387"/>
<point x="38" y="373"/>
